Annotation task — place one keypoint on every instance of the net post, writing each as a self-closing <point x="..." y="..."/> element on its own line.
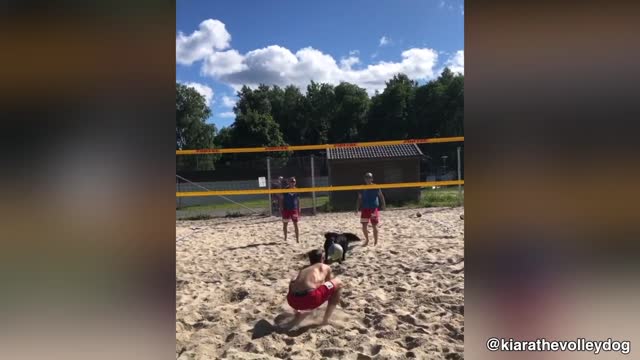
<point x="179" y="190"/>
<point x="269" y="185"/>
<point x="313" y="184"/>
<point x="459" y="178"/>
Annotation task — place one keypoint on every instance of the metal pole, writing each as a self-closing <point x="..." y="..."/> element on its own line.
<point x="459" y="178"/>
<point x="269" y="185"/>
<point x="179" y="198"/>
<point x="313" y="184"/>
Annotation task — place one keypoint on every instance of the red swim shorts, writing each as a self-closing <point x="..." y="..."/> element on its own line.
<point x="312" y="299"/>
<point x="290" y="214"/>
<point x="370" y="214"/>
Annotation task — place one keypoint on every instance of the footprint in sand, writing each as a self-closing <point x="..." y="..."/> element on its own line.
<point x="379" y="282"/>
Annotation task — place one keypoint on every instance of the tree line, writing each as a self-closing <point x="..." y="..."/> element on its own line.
<point x="275" y="116"/>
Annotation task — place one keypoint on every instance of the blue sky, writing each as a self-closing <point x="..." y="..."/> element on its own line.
<point x="223" y="44"/>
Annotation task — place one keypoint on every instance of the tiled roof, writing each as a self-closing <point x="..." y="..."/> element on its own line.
<point x="374" y="152"/>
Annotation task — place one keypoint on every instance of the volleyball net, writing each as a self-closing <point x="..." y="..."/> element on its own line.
<point x="237" y="181"/>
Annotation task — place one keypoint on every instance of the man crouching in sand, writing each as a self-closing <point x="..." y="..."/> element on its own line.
<point x="313" y="286"/>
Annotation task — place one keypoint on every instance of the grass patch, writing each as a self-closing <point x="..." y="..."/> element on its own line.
<point x="253" y="204"/>
<point x="404" y="204"/>
<point x="442" y="197"/>
<point x="197" y="217"/>
<point x="326" y="207"/>
<point x="233" y="214"/>
<point x="261" y="203"/>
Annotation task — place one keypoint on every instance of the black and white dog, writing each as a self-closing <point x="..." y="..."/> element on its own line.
<point x="342" y="239"/>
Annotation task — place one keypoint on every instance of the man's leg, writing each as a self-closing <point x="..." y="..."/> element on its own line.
<point x="295" y="227"/>
<point x="365" y="231"/>
<point x="365" y="223"/>
<point x="333" y="300"/>
<point x="297" y="319"/>
<point x="374" y="224"/>
<point x="375" y="233"/>
<point x="284" y="229"/>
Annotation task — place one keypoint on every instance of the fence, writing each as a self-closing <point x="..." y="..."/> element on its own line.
<point x="246" y="182"/>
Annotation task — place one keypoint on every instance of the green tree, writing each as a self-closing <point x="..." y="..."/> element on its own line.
<point x="439" y="106"/>
<point x="192" y="131"/>
<point x="254" y="125"/>
<point x="275" y="95"/>
<point x="273" y="116"/>
<point x="318" y="112"/>
<point x="392" y="115"/>
<point x="253" y="129"/>
<point x="225" y="137"/>
<point x="288" y="111"/>
<point x="350" y="116"/>
<point x="454" y="110"/>
<point x="256" y="100"/>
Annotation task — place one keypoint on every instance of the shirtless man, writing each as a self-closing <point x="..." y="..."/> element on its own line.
<point x="313" y="286"/>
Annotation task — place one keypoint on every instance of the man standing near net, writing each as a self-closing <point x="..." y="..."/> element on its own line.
<point x="290" y="209"/>
<point x="369" y="201"/>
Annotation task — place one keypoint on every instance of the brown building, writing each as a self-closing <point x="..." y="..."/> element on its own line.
<point x="389" y="164"/>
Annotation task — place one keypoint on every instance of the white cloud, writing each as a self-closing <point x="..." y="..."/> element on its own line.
<point x="354" y="52"/>
<point x="417" y="63"/>
<point x="449" y="6"/>
<point x="462" y="9"/>
<point x="228" y="101"/>
<point x="211" y="35"/>
<point x="203" y="90"/>
<point x="347" y="63"/>
<point x="227" y="114"/>
<point x="223" y="63"/>
<point x="456" y="62"/>
<point x="384" y="41"/>
<point x="276" y="65"/>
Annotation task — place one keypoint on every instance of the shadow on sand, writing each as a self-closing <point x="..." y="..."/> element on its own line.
<point x="252" y="246"/>
<point x="284" y="323"/>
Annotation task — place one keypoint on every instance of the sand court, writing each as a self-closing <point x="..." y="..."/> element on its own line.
<point x="403" y="298"/>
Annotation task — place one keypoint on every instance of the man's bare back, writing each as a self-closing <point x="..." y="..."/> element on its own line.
<point x="314" y="286"/>
<point x="311" y="277"/>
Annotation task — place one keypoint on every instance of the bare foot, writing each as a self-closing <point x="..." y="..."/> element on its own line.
<point x="365" y="243"/>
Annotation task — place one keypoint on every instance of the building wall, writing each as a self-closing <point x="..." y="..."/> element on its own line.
<point x="350" y="172"/>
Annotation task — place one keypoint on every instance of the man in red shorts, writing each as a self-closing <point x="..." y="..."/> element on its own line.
<point x="314" y="286"/>
<point x="369" y="200"/>
<point x="290" y="210"/>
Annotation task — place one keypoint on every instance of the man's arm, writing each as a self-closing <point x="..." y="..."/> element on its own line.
<point x="382" y="202"/>
<point x="358" y="202"/>
<point x="293" y="280"/>
<point x="281" y="202"/>
<point x="329" y="273"/>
